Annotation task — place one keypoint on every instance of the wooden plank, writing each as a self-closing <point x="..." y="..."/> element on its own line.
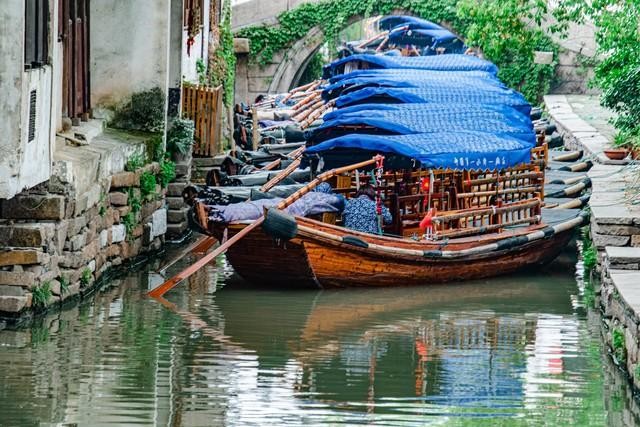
<point x="211" y="96"/>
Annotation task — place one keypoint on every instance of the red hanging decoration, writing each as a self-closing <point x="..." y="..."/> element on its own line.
<point x="190" y="42"/>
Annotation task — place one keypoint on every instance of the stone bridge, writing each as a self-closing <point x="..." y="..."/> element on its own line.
<point x="246" y="13"/>
<point x="286" y="67"/>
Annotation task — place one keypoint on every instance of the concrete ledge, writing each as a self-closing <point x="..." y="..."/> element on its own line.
<point x="578" y="133"/>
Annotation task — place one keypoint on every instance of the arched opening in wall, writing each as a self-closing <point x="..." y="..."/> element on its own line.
<point x="311" y="68"/>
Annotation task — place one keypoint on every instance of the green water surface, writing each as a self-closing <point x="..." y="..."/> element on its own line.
<point x="519" y="350"/>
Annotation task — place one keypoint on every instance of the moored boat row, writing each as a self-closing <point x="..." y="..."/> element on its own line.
<point x="451" y="153"/>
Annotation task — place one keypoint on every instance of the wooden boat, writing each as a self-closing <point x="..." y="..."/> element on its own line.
<point x="483" y="199"/>
<point x="324" y="255"/>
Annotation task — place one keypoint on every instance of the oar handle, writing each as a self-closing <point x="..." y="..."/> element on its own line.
<point x="160" y="290"/>
<point x="322" y="178"/>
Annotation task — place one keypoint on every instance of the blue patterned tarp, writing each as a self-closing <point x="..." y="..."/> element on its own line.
<point x="456" y="150"/>
<point x="469" y="95"/>
<point x="452" y="62"/>
<point x="404" y="122"/>
<point x="445" y="111"/>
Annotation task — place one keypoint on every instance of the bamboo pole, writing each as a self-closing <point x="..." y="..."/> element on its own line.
<point x="372" y="39"/>
<point x="165" y="287"/>
<point x="271" y="165"/>
<point x="278" y="178"/>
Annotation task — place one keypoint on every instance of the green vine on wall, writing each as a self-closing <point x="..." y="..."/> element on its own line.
<point x="617" y="72"/>
<point x="507" y="31"/>
<point x="222" y="66"/>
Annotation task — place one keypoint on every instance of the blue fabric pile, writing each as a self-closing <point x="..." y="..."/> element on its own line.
<point x="442" y="111"/>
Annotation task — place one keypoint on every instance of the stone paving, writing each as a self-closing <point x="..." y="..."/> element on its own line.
<point x="615" y="219"/>
<point x="584" y="124"/>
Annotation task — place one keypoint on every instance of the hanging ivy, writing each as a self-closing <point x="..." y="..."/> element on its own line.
<point x="507" y="31"/>
<point x="222" y="67"/>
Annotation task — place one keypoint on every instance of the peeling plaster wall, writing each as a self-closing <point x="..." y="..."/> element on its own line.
<point x="23" y="164"/>
<point x="129" y="48"/>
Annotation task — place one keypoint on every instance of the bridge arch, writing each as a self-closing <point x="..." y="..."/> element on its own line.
<point x="287" y="66"/>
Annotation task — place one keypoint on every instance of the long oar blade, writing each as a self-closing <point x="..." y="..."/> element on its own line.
<point x="187" y="272"/>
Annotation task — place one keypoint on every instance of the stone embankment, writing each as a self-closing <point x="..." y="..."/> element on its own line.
<point x="615" y="222"/>
<point x="58" y="239"/>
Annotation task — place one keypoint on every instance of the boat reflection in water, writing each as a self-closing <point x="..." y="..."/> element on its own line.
<point x="485" y="349"/>
<point x="512" y="350"/>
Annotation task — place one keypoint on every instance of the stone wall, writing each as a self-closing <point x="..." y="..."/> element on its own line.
<point x="620" y="303"/>
<point x="177" y="210"/>
<point x="60" y="237"/>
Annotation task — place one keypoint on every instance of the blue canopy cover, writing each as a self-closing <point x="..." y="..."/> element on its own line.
<point x="442" y="111"/>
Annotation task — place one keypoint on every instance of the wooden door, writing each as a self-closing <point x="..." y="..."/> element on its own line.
<point x="74" y="34"/>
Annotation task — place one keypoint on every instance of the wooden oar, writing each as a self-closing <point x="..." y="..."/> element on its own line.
<point x="160" y="290"/>
<point x="284" y="173"/>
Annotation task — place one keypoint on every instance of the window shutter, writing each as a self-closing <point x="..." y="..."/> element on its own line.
<point x="30" y="33"/>
<point x="33" y="102"/>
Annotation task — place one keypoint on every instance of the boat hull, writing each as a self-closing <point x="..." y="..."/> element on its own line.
<point x="313" y="261"/>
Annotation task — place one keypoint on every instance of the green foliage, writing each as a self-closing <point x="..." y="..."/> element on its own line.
<point x="180" y="136"/>
<point x="85" y="277"/>
<point x="167" y="172"/>
<point x="313" y="70"/>
<point x="617" y="26"/>
<point x="618" y="344"/>
<point x="589" y="257"/>
<point x="133" y="201"/>
<point x="589" y="252"/>
<point x="41" y="294"/>
<point x="154" y="148"/>
<point x="64" y="284"/>
<point x="134" y="162"/>
<point x="628" y="138"/>
<point x="507" y="31"/>
<point x="222" y="66"/>
<point x="145" y="111"/>
<point x="201" y="70"/>
<point x="129" y="222"/>
<point x="39" y="334"/>
<point x="147" y="185"/>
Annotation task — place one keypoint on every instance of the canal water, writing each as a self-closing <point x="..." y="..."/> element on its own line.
<point x="519" y="350"/>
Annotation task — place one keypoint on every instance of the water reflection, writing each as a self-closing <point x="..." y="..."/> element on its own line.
<point x="510" y="351"/>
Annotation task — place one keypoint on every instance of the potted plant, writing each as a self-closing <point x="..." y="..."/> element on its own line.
<point x="180" y="139"/>
<point x="621" y="146"/>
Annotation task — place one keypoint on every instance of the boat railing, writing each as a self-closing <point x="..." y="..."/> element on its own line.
<point x="470" y="222"/>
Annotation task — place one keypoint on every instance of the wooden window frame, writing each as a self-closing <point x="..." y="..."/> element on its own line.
<point x="186" y="6"/>
<point x="36" y="35"/>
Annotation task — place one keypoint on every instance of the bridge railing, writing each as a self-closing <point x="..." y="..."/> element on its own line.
<point x="203" y="105"/>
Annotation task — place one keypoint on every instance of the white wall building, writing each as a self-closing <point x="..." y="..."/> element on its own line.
<point x="76" y="59"/>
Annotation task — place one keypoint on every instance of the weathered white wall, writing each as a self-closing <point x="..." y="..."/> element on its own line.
<point x="199" y="50"/>
<point x="22" y="164"/>
<point x="129" y="48"/>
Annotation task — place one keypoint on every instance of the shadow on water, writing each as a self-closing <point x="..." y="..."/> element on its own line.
<point x="518" y="350"/>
